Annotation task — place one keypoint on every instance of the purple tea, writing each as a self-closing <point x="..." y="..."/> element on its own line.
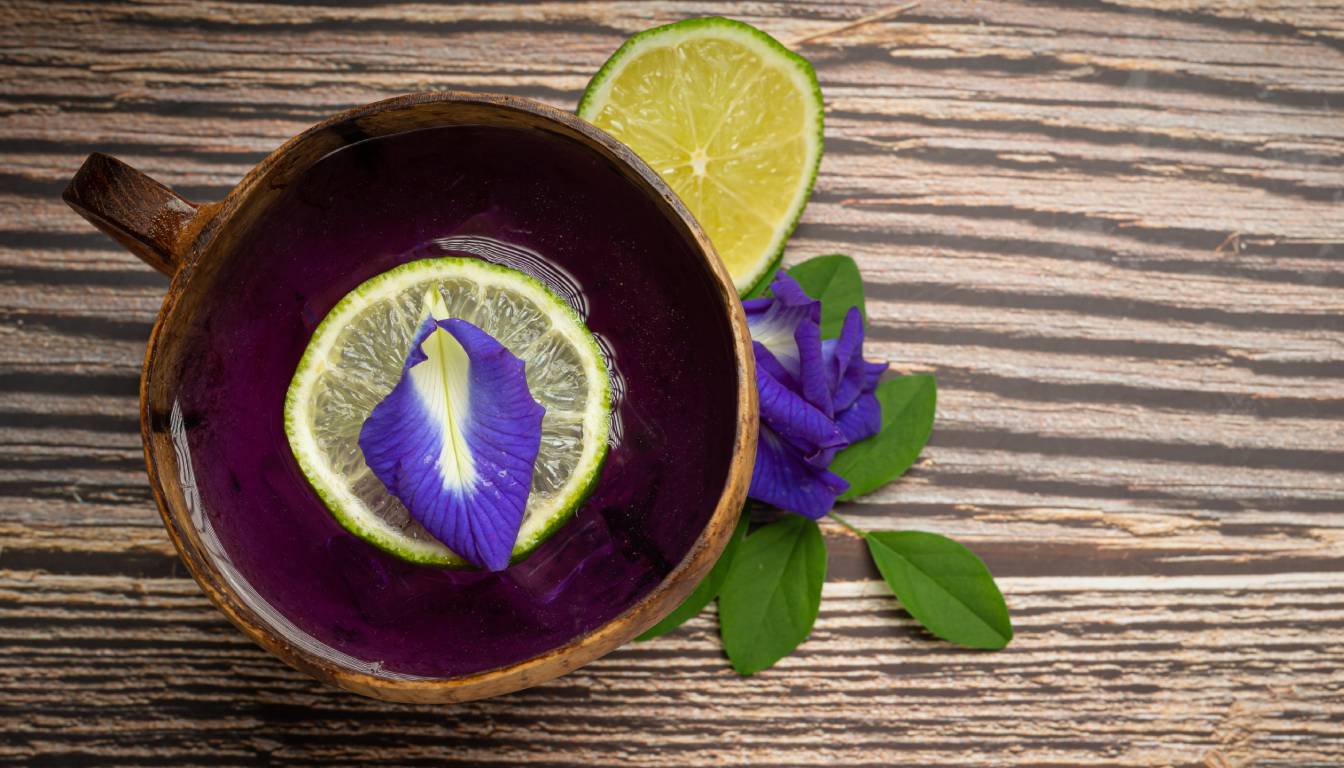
<point x="462" y="191"/>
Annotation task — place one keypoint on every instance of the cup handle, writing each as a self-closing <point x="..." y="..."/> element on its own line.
<point x="143" y="215"/>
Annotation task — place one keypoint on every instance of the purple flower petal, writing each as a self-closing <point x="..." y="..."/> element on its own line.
<point x="768" y="364"/>
<point x="798" y="422"/>
<point x="774" y="322"/>
<point x="782" y="478"/>
<point x="843" y="356"/>
<point x="756" y="306"/>
<point x="872" y="374"/>
<point x="862" y="419"/>
<point x="457" y="438"/>
<point x="788" y="291"/>
<point x="811" y="368"/>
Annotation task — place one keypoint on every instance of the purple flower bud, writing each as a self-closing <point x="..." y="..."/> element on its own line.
<point x="816" y="398"/>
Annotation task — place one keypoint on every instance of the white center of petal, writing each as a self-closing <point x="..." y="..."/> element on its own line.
<point x="441" y="381"/>
<point x="775" y="333"/>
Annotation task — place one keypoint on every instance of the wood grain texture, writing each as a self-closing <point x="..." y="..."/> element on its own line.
<point x="1113" y="230"/>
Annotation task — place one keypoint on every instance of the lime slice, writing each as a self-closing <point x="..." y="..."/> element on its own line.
<point x="730" y="119"/>
<point x="355" y="359"/>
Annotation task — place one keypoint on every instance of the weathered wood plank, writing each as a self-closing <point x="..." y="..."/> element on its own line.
<point x="1103" y="660"/>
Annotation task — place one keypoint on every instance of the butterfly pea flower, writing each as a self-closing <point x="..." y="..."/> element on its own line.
<point x="457" y="438"/>
<point x="816" y="398"/>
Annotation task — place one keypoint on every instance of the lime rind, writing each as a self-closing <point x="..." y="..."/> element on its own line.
<point x="348" y="509"/>
<point x="597" y="94"/>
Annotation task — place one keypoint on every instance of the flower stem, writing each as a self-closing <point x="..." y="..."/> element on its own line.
<point x="845" y="523"/>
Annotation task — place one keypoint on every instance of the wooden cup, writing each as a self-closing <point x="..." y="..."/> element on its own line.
<point x="186" y="241"/>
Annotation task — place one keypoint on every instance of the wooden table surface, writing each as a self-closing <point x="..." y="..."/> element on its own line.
<point x="1113" y="231"/>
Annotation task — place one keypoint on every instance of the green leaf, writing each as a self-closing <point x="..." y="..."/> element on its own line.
<point x="770" y="599"/>
<point x="835" y="281"/>
<point x="907" y="420"/>
<point x="944" y="586"/>
<point x="707" y="589"/>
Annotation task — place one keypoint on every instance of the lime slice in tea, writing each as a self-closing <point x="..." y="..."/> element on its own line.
<point x="355" y="358"/>
<point x="730" y="119"/>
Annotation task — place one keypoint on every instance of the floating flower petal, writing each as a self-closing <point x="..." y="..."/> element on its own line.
<point x="457" y="438"/>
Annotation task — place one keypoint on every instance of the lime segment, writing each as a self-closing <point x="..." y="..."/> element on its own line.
<point x="355" y="358"/>
<point x="730" y="118"/>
